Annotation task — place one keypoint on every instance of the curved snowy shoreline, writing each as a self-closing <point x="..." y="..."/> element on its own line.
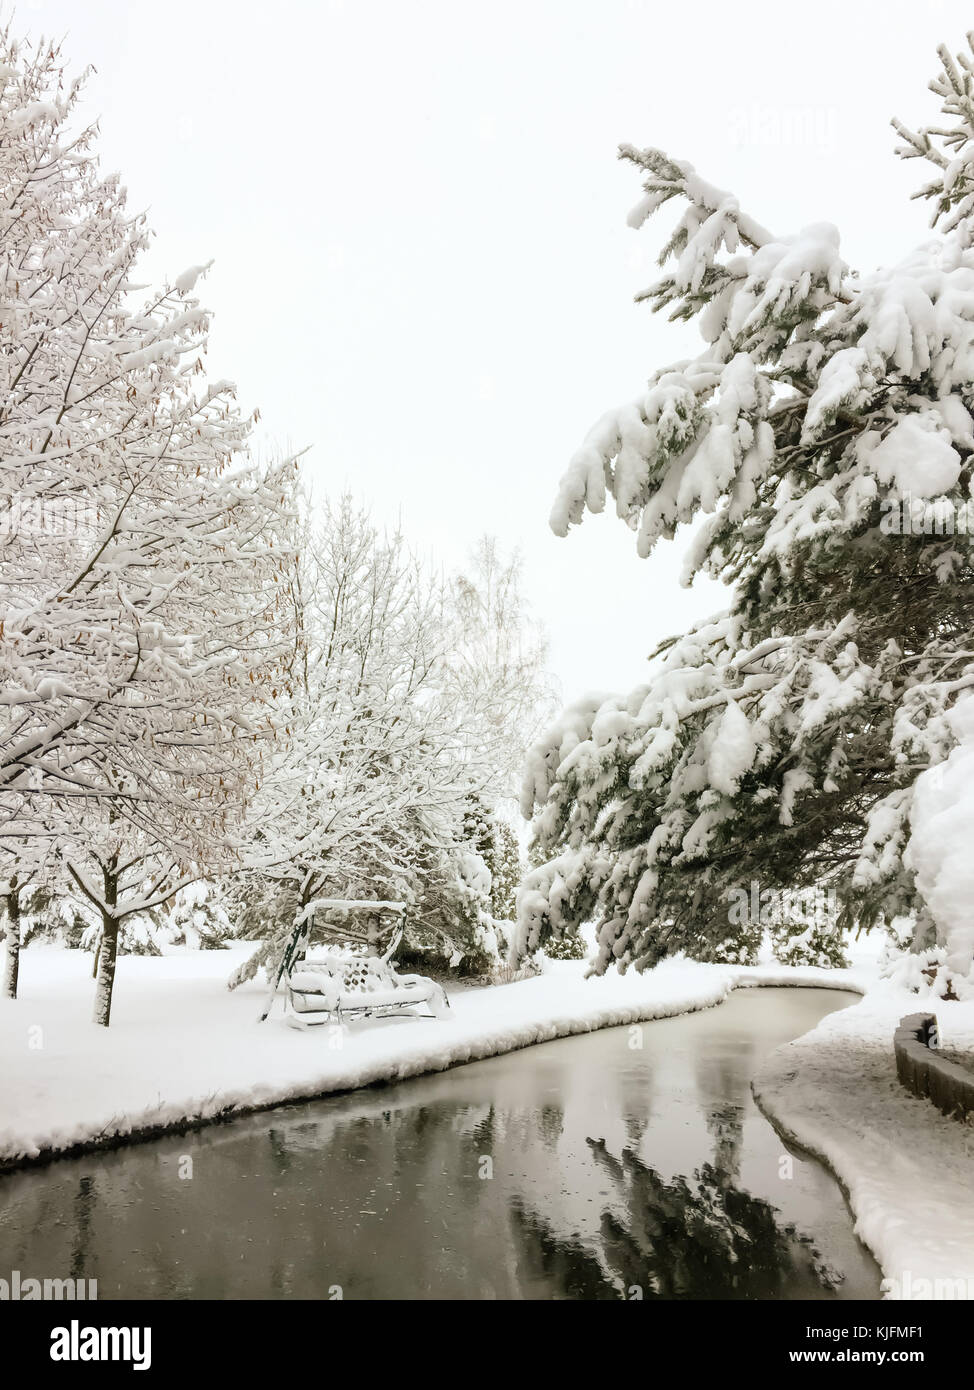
<point x="182" y="1052"/>
<point x="906" y="1170"/>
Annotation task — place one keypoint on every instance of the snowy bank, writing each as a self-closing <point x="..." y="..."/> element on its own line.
<point x="908" y="1171"/>
<point x="183" y="1050"/>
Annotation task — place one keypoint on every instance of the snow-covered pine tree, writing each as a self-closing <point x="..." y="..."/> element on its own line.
<point x="809" y="943"/>
<point x="139" y="583"/>
<point x="461" y="907"/>
<point x="569" y="946"/>
<point x="821" y="732"/>
<point x="504" y="862"/>
<point x="197" y="918"/>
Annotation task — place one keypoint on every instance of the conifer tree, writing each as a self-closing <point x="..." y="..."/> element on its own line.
<point x="820" y="731"/>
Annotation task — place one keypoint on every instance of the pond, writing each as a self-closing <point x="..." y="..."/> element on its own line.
<point x="630" y="1162"/>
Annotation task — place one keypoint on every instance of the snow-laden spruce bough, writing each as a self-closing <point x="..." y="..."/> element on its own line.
<point x="821" y="731"/>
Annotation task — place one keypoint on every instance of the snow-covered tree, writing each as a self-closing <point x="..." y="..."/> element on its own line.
<point x="497" y="662"/>
<point x="197" y="917"/>
<point x="504" y="862"/>
<point x="139" y="583"/>
<point x="809" y="943"/>
<point x="373" y="777"/>
<point x="821" y="731"/>
<point x="569" y="946"/>
<point x="20" y="893"/>
<point x="460" y="914"/>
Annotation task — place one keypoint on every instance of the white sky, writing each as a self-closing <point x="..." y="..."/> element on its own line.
<point x="422" y="267"/>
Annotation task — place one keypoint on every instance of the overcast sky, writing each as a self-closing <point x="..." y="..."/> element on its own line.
<point x="422" y="267"/>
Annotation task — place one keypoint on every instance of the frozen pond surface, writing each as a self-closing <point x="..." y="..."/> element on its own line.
<point x="589" y="1167"/>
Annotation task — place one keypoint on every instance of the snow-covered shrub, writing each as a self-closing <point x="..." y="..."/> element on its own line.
<point x="814" y="943"/>
<point x="140" y="935"/>
<point x="571" y="946"/>
<point x="927" y="972"/>
<point x="740" y="949"/>
<point x="198" y="919"/>
<point x="52" y="916"/>
<point x="509" y="973"/>
<point x="65" y="926"/>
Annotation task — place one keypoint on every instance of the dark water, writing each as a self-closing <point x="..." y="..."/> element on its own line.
<point x="583" y="1168"/>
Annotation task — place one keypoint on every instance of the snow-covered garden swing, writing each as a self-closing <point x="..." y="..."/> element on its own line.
<point x="334" y="987"/>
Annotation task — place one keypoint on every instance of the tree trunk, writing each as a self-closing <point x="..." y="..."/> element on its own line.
<point x="105" y="979"/>
<point x="11" y="955"/>
<point x="108" y="947"/>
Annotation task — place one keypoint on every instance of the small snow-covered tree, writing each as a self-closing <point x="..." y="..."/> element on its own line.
<point x="60" y="917"/>
<point x="809" y="943"/>
<point x="197" y="917"/>
<point x="821" y="731"/>
<point x="125" y="878"/>
<point x="570" y="945"/>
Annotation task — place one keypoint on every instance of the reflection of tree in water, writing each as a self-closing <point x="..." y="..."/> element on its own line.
<point x="725" y="1127"/>
<point x="722" y="1094"/>
<point x="83" y="1207"/>
<point x="563" y="1266"/>
<point x="379" y="1197"/>
<point x="386" y="1196"/>
<point x="700" y="1238"/>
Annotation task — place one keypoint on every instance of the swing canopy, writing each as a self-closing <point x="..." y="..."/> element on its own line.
<point x="341" y="987"/>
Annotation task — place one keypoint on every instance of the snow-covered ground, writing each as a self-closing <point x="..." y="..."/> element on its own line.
<point x="907" y="1170"/>
<point x="182" y="1048"/>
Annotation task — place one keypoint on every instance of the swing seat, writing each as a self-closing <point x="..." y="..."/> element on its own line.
<point x="357" y="987"/>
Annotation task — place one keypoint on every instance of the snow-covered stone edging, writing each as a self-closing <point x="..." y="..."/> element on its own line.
<point x="928" y="1074"/>
<point x="906" y="1170"/>
<point x="182" y="1051"/>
